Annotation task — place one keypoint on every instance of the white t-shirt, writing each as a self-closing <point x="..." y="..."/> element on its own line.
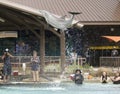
<point x="74" y="56"/>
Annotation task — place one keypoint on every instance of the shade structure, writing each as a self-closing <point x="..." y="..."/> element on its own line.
<point x="17" y="17"/>
<point x="113" y="38"/>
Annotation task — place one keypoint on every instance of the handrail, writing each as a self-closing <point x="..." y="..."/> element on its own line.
<point x="113" y="61"/>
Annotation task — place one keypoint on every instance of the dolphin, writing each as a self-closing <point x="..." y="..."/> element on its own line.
<point x="56" y="21"/>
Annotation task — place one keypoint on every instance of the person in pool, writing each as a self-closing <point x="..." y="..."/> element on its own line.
<point x="104" y="78"/>
<point x="78" y="77"/>
<point x="116" y="78"/>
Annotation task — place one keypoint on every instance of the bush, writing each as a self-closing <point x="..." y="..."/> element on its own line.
<point x="102" y="69"/>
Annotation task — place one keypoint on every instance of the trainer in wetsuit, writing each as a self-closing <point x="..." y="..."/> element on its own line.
<point x="7" y="65"/>
<point x="116" y="79"/>
<point x="78" y="78"/>
<point x="104" y="77"/>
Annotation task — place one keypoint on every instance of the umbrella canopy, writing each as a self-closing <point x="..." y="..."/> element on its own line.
<point x="114" y="38"/>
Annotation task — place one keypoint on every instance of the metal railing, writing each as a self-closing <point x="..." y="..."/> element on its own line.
<point x="110" y="61"/>
<point x="52" y="63"/>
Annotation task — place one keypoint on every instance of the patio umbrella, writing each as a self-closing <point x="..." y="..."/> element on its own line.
<point x="114" y="38"/>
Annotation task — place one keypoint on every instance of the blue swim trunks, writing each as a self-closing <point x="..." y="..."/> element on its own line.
<point x="34" y="66"/>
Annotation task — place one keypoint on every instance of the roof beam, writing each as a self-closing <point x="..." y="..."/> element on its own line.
<point x="101" y="23"/>
<point x="28" y="19"/>
<point x="10" y="20"/>
<point x="17" y="14"/>
<point x="22" y="19"/>
<point x="8" y="28"/>
<point x="47" y="26"/>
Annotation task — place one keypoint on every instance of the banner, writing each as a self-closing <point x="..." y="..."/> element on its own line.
<point x="8" y="34"/>
<point x="104" y="47"/>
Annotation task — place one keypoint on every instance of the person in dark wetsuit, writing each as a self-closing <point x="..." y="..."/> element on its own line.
<point x="78" y="78"/>
<point x="104" y="77"/>
<point x="116" y="79"/>
<point x="7" y="65"/>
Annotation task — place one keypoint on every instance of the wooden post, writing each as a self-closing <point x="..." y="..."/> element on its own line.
<point x="62" y="47"/>
<point x="42" y="50"/>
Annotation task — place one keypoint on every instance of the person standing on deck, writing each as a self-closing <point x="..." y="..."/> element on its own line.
<point x="35" y="64"/>
<point x="87" y="55"/>
<point x="7" y="68"/>
<point x="74" y="57"/>
<point x="114" y="54"/>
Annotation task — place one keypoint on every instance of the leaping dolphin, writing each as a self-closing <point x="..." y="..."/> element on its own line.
<point x="58" y="22"/>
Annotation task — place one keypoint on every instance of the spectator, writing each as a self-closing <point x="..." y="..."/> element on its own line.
<point x="114" y="52"/>
<point x="74" y="57"/>
<point x="87" y="55"/>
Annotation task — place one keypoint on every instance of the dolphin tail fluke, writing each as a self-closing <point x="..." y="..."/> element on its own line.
<point x="75" y="13"/>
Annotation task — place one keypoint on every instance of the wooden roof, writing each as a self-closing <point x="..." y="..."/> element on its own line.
<point x="93" y="11"/>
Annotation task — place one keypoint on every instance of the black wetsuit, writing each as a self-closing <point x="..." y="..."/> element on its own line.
<point x="78" y="79"/>
<point x="104" y="79"/>
<point x="116" y="82"/>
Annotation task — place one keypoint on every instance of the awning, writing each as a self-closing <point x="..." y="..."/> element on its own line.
<point x="113" y="38"/>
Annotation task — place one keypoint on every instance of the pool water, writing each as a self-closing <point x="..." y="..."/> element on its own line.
<point x="60" y="88"/>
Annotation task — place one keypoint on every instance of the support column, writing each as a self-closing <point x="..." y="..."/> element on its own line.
<point x="62" y="47"/>
<point x="42" y="50"/>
